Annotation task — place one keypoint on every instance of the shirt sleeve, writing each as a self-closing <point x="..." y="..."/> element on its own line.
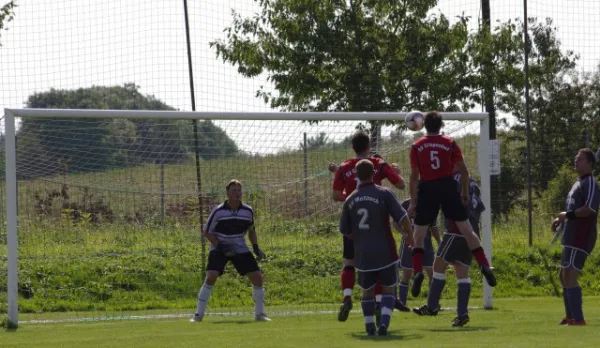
<point x="457" y="155"/>
<point x="591" y="193"/>
<point x="414" y="157"/>
<point x="211" y="222"/>
<point x="394" y="207"/>
<point x="345" y="221"/>
<point x="390" y="174"/>
<point x="338" y="180"/>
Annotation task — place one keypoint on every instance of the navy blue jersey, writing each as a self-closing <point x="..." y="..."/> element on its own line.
<point x="581" y="233"/>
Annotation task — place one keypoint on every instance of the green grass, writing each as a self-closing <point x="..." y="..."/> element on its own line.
<point x="516" y="322"/>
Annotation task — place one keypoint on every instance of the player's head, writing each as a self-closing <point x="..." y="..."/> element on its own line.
<point x="433" y="122"/>
<point x="234" y="190"/>
<point x="377" y="155"/>
<point x="361" y="143"/>
<point x="365" y="170"/>
<point x="585" y="161"/>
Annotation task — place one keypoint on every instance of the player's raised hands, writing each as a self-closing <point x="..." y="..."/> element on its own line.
<point x="332" y="167"/>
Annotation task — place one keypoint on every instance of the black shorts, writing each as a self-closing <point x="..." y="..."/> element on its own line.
<point x="573" y="257"/>
<point x="454" y="249"/>
<point x="438" y="193"/>
<point x="388" y="277"/>
<point x="406" y="254"/>
<point x="244" y="263"/>
<point x="348" y="248"/>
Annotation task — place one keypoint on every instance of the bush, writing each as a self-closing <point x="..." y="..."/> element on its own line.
<point x="553" y="199"/>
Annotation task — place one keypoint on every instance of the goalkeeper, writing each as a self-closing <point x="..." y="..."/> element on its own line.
<point x="225" y="229"/>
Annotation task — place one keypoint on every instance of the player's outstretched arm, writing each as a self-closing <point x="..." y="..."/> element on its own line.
<point x="395" y="177"/>
<point x="465" y="181"/>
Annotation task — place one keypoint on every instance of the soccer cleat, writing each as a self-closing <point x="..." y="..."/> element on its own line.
<point x="486" y="271"/>
<point x="460" y="321"/>
<point x="377" y="313"/>
<point x="577" y="323"/>
<point x="382" y="331"/>
<point x="424" y="310"/>
<point x="565" y="321"/>
<point x="415" y="290"/>
<point x="196" y="318"/>
<point x="401" y="306"/>
<point x="345" y="310"/>
<point x="261" y="317"/>
<point x="371" y="329"/>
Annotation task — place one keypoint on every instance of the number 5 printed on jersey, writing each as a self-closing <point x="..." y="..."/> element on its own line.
<point x="435" y="160"/>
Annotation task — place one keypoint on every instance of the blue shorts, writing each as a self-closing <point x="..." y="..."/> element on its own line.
<point x="406" y="254"/>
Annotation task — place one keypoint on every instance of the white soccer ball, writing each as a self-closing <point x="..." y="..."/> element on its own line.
<point x="414" y="120"/>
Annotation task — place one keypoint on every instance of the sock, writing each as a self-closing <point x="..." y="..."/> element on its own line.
<point x="464" y="292"/>
<point x="575" y="302"/>
<point x="378" y="290"/>
<point x="480" y="257"/>
<point x="368" y="307"/>
<point x="203" y="296"/>
<point x="417" y="259"/>
<point x="568" y="313"/>
<point x="435" y="290"/>
<point x="387" y="307"/>
<point x="403" y="292"/>
<point x="258" y="295"/>
<point x="347" y="281"/>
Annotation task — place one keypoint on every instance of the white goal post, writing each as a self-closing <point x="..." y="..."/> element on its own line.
<point x="10" y="116"/>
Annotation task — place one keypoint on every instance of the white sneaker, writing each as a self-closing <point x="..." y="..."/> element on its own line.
<point x="261" y="317"/>
<point x="196" y="318"/>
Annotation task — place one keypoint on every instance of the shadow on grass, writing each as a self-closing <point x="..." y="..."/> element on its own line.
<point x="393" y="335"/>
<point x="233" y="321"/>
<point x="460" y="329"/>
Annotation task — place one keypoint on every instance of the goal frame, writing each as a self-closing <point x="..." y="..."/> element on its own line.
<point x="11" y="164"/>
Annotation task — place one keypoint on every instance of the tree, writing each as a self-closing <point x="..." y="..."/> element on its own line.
<point x="7" y="14"/>
<point x="100" y="144"/>
<point x="355" y="55"/>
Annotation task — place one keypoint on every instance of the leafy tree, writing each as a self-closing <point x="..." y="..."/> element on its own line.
<point x="315" y="142"/>
<point x="100" y="144"/>
<point x="355" y="55"/>
<point x="7" y="14"/>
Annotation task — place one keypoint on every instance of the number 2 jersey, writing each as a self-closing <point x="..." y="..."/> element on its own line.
<point x="345" y="177"/>
<point x="435" y="156"/>
<point x="366" y="219"/>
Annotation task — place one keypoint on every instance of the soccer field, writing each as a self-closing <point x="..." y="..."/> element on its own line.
<point x="516" y="322"/>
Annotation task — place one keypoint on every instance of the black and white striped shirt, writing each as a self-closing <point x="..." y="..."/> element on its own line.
<point x="229" y="226"/>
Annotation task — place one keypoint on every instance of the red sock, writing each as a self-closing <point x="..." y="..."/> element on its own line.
<point x="417" y="260"/>
<point x="347" y="277"/>
<point x="480" y="257"/>
<point x="378" y="288"/>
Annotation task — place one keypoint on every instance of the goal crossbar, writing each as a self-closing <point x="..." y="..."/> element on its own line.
<point x="11" y="164"/>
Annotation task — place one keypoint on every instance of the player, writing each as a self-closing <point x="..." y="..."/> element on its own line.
<point x="406" y="261"/>
<point x="433" y="158"/>
<point x="225" y="229"/>
<point x="366" y="220"/>
<point x="344" y="183"/>
<point x="454" y="251"/>
<point x="579" y="234"/>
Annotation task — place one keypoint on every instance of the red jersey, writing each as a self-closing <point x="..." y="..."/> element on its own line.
<point x="435" y="156"/>
<point x="346" y="180"/>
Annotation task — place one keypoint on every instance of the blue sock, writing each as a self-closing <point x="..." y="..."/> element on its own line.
<point x="368" y="307"/>
<point x="568" y="313"/>
<point x="575" y="302"/>
<point x="387" y="307"/>
<point x="435" y="291"/>
<point x="464" y="292"/>
<point x="403" y="292"/>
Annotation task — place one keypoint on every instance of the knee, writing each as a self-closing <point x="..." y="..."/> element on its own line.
<point x="256" y="278"/>
<point x="439" y="265"/>
<point x="211" y="277"/>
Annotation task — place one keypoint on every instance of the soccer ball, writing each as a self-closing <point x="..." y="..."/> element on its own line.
<point x="414" y="120"/>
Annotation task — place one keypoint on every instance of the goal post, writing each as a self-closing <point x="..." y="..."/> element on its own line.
<point x="11" y="162"/>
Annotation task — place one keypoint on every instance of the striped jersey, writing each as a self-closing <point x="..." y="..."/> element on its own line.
<point x="229" y="226"/>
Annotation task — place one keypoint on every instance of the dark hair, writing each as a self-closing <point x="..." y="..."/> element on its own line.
<point x="433" y="122"/>
<point x="589" y="154"/>
<point x="364" y="170"/>
<point x="377" y="156"/>
<point x="360" y="142"/>
<point x="233" y="182"/>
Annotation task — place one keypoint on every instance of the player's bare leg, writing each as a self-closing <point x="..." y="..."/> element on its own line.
<point x="348" y="276"/>
<point x="403" y="290"/>
<point x="474" y="243"/>
<point x="204" y="295"/>
<point x="570" y="277"/>
<point x="417" y="258"/>
<point x="463" y="295"/>
<point x="258" y="295"/>
<point x="436" y="287"/>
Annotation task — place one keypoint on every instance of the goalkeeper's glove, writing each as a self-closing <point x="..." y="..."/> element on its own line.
<point x="260" y="255"/>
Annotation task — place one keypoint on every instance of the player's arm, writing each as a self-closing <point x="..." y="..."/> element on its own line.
<point x="392" y="173"/>
<point x="589" y="187"/>
<point x="338" y="194"/>
<point x="345" y="227"/>
<point x="211" y="222"/>
<point x="253" y="237"/>
<point x="400" y="217"/>
<point x="459" y="162"/>
<point x="413" y="183"/>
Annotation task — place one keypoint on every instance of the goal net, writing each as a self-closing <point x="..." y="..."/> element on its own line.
<point x="106" y="206"/>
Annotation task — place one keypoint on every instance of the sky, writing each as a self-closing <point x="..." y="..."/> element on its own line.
<point x="67" y="44"/>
